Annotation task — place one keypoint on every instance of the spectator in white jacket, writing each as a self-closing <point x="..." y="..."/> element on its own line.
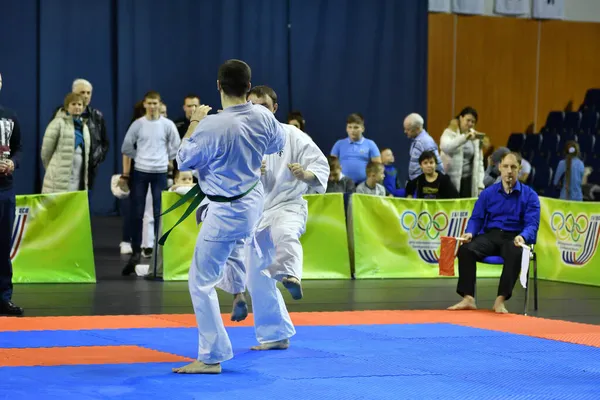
<point x="462" y="155"/>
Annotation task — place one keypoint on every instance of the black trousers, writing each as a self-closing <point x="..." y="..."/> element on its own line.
<point x="493" y="243"/>
<point x="465" y="187"/>
<point x="7" y="217"/>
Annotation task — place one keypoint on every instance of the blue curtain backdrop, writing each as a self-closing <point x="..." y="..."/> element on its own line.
<point x="326" y="58"/>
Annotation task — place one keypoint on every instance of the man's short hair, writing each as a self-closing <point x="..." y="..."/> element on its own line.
<point x="263" y="91"/>
<point x="152" y="95"/>
<point x="234" y="77"/>
<point x="426" y="155"/>
<point x="334" y="162"/>
<point x="514" y="153"/>
<point x="71" y="97"/>
<point x="355" y="118"/>
<point x="373" y="167"/>
<point x="191" y="96"/>
<point x="80" y="81"/>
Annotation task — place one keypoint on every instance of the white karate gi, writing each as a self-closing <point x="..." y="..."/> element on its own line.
<point x="226" y="150"/>
<point x="279" y="231"/>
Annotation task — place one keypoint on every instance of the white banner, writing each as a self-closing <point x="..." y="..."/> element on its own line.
<point x="549" y="9"/>
<point x="512" y="7"/>
<point x="474" y="7"/>
<point x="441" y="6"/>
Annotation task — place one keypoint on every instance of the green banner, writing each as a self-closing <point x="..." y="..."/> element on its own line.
<point x="568" y="241"/>
<point x="400" y="238"/>
<point x="52" y="239"/>
<point x="325" y="242"/>
<point x="179" y="247"/>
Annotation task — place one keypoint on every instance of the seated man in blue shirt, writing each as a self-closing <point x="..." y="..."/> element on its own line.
<point x="506" y="215"/>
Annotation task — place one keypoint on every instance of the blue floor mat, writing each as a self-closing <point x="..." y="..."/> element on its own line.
<point x="421" y="361"/>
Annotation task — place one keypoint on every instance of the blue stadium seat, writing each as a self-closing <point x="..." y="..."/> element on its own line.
<point x="542" y="180"/>
<point x="550" y="143"/>
<point x="572" y="122"/>
<point x="592" y="99"/>
<point x="589" y="122"/>
<point x="594" y="156"/>
<point x="516" y="141"/>
<point x="530" y="177"/>
<point x="554" y="122"/>
<point x="586" y="144"/>
<point x="531" y="146"/>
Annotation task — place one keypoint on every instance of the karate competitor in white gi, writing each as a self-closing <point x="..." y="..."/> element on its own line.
<point x="288" y="175"/>
<point x="226" y="150"/>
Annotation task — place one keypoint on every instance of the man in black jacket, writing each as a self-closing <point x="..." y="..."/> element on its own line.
<point x="10" y="151"/>
<point x="95" y="122"/>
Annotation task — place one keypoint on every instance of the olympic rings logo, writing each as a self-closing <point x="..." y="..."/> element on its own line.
<point x="565" y="226"/>
<point x="424" y="224"/>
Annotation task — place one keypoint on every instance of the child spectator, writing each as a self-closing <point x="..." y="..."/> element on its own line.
<point x="569" y="173"/>
<point x="431" y="184"/>
<point x="184" y="181"/>
<point x="338" y="183"/>
<point x="372" y="185"/>
<point x="390" y="181"/>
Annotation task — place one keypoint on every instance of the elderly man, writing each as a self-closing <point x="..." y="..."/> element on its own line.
<point x="94" y="120"/>
<point x="413" y="127"/>
<point x="506" y="216"/>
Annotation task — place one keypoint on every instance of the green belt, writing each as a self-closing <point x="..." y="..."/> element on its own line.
<point x="197" y="195"/>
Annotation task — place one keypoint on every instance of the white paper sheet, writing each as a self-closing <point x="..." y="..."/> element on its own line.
<point x="525" y="265"/>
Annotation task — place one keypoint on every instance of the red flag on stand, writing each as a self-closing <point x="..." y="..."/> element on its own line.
<point x="448" y="250"/>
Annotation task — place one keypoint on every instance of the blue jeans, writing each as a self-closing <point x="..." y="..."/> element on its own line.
<point x="7" y="218"/>
<point x="141" y="181"/>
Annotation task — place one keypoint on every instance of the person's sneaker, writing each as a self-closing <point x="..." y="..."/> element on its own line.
<point x="9" y="309"/>
<point x="147" y="253"/>
<point x="130" y="266"/>
<point x="126" y="248"/>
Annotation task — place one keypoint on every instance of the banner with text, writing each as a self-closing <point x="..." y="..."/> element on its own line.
<point x="325" y="242"/>
<point x="400" y="238"/>
<point x="568" y="241"/>
<point x="52" y="239"/>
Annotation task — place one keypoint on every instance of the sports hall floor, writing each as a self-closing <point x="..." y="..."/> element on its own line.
<point x="365" y="339"/>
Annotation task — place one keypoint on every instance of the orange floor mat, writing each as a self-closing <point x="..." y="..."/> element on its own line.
<point x="544" y="328"/>
<point x="84" y="355"/>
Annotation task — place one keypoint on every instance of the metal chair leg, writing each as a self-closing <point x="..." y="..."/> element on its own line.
<point x="526" y="294"/>
<point x="535" y="284"/>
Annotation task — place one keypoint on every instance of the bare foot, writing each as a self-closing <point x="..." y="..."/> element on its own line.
<point x="500" y="308"/>
<point x="292" y="284"/>
<point x="240" y="308"/>
<point x="198" y="367"/>
<point x="279" y="345"/>
<point x="467" y="303"/>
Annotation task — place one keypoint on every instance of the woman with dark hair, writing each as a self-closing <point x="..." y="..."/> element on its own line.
<point x="462" y="155"/>
<point x="569" y="173"/>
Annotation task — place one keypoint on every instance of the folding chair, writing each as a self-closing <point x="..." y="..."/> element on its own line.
<point x="497" y="260"/>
